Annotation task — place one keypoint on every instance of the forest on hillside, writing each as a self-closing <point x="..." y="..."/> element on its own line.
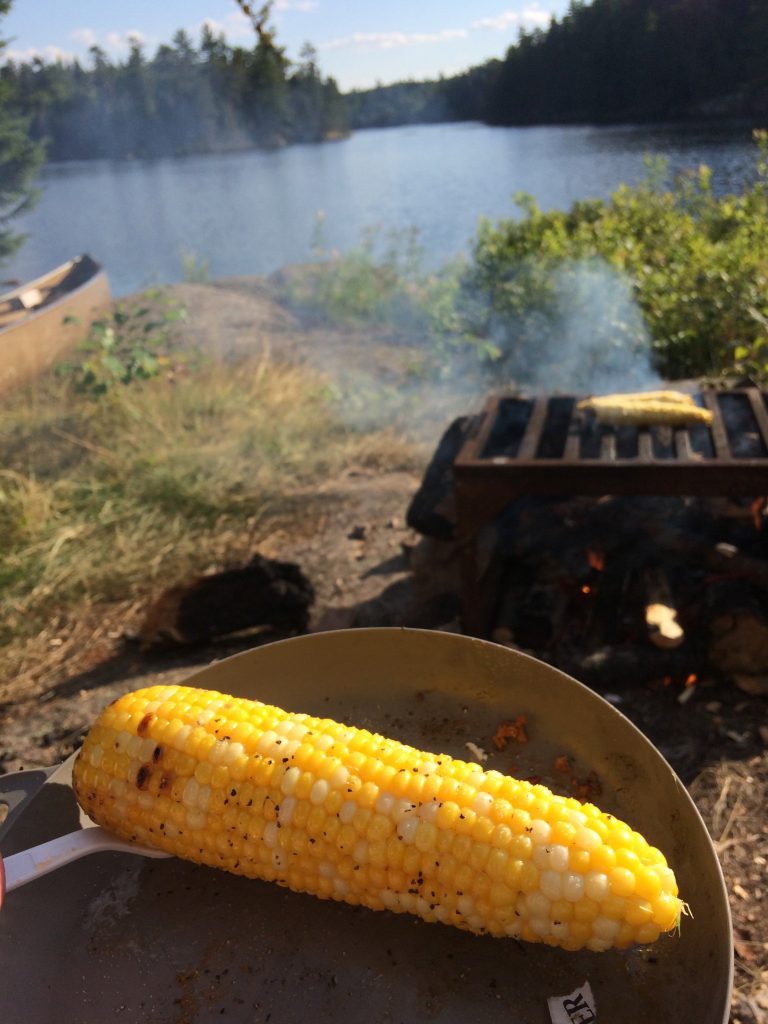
<point x="607" y="61"/>
<point x="184" y="99"/>
<point x="603" y="62"/>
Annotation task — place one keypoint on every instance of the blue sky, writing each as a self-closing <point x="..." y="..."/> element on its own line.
<point x="360" y="42"/>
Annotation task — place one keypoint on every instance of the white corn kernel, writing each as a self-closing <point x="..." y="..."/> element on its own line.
<point x="191" y="790"/>
<point x="287" y="807"/>
<point x="551" y="883"/>
<point x="270" y="834"/>
<point x="319" y="791"/>
<point x="573" y="886"/>
<point x="558" y="857"/>
<point x="347" y="812"/>
<point x="605" y="928"/>
<point x="587" y="839"/>
<point x="385" y="803"/>
<point x="339" y="777"/>
<point x="289" y="780"/>
<point x="406" y="829"/>
<point x="596" y="886"/>
<point x="482" y="803"/>
<point x="540" y="831"/>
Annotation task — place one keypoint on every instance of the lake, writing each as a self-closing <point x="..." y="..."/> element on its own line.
<point x="253" y="212"/>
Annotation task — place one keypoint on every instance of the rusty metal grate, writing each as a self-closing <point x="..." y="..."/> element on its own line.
<point x="544" y="446"/>
<point x="554" y="448"/>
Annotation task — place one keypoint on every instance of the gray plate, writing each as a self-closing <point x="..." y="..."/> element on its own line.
<point x="166" y="941"/>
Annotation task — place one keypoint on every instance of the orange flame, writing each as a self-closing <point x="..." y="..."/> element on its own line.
<point x="692" y="679"/>
<point x="757" y="508"/>
<point x="596" y="559"/>
<point x="586" y="590"/>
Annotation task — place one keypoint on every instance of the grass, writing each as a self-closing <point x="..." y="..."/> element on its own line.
<point x="109" y="498"/>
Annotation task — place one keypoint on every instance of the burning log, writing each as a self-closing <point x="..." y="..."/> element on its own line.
<point x="664" y="631"/>
<point x="546" y="447"/>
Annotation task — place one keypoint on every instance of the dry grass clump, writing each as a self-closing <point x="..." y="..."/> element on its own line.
<point x="101" y="498"/>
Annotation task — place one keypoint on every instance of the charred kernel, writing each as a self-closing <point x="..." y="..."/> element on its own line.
<point x="143" y="727"/>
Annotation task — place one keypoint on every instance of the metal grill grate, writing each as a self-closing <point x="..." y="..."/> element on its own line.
<point x="545" y="445"/>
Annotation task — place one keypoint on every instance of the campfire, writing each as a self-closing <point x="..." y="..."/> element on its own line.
<point x="575" y="535"/>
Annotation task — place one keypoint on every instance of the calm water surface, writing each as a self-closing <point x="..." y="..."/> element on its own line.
<point x="251" y="213"/>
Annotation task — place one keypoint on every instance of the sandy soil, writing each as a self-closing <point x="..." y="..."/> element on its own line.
<point x="355" y="548"/>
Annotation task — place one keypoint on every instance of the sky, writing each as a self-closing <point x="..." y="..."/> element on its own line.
<point x="360" y="42"/>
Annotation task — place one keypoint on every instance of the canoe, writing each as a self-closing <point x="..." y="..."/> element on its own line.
<point x="42" y="320"/>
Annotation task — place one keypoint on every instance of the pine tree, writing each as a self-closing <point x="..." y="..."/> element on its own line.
<point x="20" y="159"/>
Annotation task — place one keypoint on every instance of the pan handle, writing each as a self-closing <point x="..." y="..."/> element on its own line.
<point x="40" y="860"/>
<point x="15" y="793"/>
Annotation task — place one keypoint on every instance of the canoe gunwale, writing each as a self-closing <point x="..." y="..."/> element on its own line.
<point x="51" y="280"/>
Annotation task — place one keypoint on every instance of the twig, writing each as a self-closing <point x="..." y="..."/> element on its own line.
<point x="721" y="845"/>
<point x="732" y="816"/>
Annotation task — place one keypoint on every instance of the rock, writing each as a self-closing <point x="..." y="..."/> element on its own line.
<point x="432" y="510"/>
<point x="755" y="685"/>
<point x="739" y="649"/>
<point x="264" y="592"/>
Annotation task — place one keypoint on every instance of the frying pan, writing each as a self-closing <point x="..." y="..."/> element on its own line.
<point x="115" y="935"/>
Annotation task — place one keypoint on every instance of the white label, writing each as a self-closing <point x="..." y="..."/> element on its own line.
<point x="576" y="1008"/>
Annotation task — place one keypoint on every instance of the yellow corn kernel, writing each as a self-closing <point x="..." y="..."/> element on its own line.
<point x="621" y="881"/>
<point x="346" y="814"/>
<point x="578" y="860"/>
<point x="563" y="832"/>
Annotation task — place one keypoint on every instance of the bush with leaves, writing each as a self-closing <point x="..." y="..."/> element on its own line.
<point x="133" y="343"/>
<point x="694" y="265"/>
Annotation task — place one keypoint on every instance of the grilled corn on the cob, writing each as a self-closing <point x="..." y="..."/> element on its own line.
<point x="649" y="408"/>
<point x="643" y="397"/>
<point x="346" y="814"/>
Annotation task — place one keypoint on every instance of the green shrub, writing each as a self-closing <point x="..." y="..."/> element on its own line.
<point x="670" y="268"/>
<point x="133" y="343"/>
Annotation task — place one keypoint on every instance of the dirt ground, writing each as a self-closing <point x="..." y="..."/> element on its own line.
<point x="360" y="556"/>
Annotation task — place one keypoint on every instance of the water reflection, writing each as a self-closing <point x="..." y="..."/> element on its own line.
<point x="252" y="212"/>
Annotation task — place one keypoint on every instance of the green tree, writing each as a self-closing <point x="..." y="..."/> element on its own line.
<point x="20" y="159"/>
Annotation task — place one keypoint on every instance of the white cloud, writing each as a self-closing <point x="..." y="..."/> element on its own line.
<point x="530" y="17"/>
<point x="49" y="54"/>
<point x="234" y="26"/>
<point x="391" y="40"/>
<point x="117" y="44"/>
<point x="85" y="36"/>
<point x="295" y="5"/>
<point x="237" y="26"/>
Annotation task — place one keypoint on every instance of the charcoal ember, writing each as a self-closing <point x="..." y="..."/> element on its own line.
<point x="264" y="592"/>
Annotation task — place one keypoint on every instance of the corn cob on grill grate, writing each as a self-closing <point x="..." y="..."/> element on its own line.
<point x="649" y="408"/>
<point x="347" y="814"/>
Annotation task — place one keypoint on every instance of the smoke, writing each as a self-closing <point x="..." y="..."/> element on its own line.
<point x="580" y="331"/>
<point x="576" y="329"/>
